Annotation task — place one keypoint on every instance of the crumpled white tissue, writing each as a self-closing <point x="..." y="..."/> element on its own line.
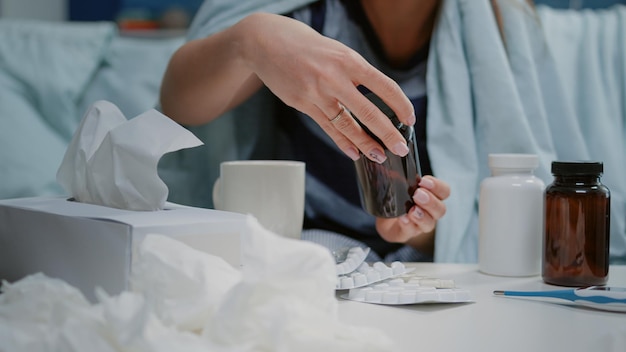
<point x="184" y="285"/>
<point x="282" y="300"/>
<point x="112" y="161"/>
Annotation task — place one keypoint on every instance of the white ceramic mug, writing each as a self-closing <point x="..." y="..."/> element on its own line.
<point x="270" y="190"/>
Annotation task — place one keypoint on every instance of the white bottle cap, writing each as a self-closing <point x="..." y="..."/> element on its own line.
<point x="513" y="161"/>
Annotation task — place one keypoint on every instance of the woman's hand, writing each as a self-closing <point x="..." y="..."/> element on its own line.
<point x="417" y="227"/>
<point x="318" y="76"/>
<point x="308" y="71"/>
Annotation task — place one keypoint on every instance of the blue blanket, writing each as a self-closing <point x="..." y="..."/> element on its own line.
<point x="589" y="47"/>
<point x="490" y="91"/>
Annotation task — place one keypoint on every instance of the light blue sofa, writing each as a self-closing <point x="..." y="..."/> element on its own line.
<point x="49" y="74"/>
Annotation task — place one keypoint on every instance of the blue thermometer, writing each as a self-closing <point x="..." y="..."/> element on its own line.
<point x="598" y="297"/>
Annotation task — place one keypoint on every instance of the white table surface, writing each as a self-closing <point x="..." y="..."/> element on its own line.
<point x="492" y="323"/>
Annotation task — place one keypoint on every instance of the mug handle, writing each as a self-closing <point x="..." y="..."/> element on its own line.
<point x="216" y="194"/>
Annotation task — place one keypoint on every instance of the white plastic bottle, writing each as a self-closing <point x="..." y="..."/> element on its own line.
<point x="511" y="216"/>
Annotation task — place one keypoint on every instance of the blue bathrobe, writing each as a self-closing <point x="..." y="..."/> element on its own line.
<point x="535" y="86"/>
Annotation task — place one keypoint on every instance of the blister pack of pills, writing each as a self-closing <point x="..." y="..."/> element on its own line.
<point x="349" y="259"/>
<point x="391" y="284"/>
<point x="367" y="274"/>
<point x="399" y="292"/>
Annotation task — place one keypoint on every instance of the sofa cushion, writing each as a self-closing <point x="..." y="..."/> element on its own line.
<point x="50" y="73"/>
<point x="44" y="67"/>
<point x="131" y="72"/>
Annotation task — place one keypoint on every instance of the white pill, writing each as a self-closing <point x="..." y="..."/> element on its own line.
<point x="381" y="286"/>
<point x="396" y="282"/>
<point x="374" y="296"/>
<point x="427" y="296"/>
<point x="346" y="282"/>
<point x="462" y="295"/>
<point x="443" y="283"/>
<point x="426" y="289"/>
<point x="358" y="293"/>
<point x="398" y="268"/>
<point x="386" y="272"/>
<point x="359" y="280"/>
<point x="373" y="276"/>
<point x="364" y="268"/>
<point x="407" y="297"/>
<point x="430" y="282"/>
<point x="446" y="295"/>
<point x="390" y="297"/>
<point x="415" y="280"/>
<point x="356" y="250"/>
<point x="379" y="265"/>
<point x="341" y="269"/>
<point x="411" y="286"/>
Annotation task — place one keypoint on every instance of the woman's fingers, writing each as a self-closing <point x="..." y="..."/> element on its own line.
<point x="340" y="139"/>
<point x="405" y="227"/>
<point x="422" y="217"/>
<point x="437" y="187"/>
<point x="370" y="115"/>
<point x="429" y="197"/>
<point x="344" y="124"/>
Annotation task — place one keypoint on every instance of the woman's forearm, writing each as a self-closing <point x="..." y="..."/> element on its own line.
<point x="208" y="76"/>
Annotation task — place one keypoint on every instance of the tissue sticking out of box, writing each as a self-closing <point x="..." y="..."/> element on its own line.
<point x="112" y="161"/>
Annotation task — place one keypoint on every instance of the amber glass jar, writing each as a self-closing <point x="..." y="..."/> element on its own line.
<point x="577" y="218"/>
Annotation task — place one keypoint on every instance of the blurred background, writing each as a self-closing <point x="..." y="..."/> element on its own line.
<point x="129" y="14"/>
<point x="579" y="4"/>
<point x="159" y="14"/>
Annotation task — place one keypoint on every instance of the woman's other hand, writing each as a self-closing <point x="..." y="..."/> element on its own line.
<point x="417" y="227"/>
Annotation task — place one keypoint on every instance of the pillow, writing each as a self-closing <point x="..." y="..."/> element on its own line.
<point x="30" y="150"/>
<point x="44" y="67"/>
<point x="131" y="74"/>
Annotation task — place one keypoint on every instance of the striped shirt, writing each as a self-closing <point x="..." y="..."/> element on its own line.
<point x="332" y="196"/>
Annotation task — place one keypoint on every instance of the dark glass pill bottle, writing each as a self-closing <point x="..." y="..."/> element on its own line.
<point x="577" y="221"/>
<point x="386" y="189"/>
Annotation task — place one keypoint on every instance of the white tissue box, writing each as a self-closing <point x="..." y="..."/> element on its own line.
<point x="93" y="246"/>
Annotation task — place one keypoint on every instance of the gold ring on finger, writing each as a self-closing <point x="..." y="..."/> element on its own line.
<point x="339" y="114"/>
